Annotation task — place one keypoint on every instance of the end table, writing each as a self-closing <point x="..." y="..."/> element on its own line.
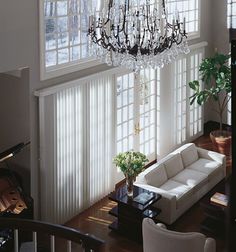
<point x="130" y="213"/>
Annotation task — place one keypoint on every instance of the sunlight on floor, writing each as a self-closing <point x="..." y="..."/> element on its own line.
<point x="99" y="221"/>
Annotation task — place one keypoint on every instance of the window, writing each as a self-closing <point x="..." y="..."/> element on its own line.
<point x="180" y="101"/>
<point x="188" y="119"/>
<point x="231" y="15"/>
<point x="190" y="10"/>
<point x="195" y="111"/>
<point x="137" y="114"/>
<point x="64" y="42"/>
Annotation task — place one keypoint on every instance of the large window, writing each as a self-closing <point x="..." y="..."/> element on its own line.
<point x="64" y="26"/>
<point x="189" y="9"/>
<point x="138" y="107"/>
<point x="188" y="119"/>
<point x="231" y="15"/>
<point x="64" y="41"/>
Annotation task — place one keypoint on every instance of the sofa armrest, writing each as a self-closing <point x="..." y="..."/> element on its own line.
<point x="212" y="155"/>
<point x="210" y="245"/>
<point x="161" y="225"/>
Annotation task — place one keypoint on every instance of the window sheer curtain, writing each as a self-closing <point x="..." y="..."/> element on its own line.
<point x="76" y="129"/>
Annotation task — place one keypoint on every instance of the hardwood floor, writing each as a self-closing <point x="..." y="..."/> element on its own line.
<point x="96" y="219"/>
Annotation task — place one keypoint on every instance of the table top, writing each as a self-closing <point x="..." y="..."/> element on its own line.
<point x="120" y="196"/>
<point x="221" y="187"/>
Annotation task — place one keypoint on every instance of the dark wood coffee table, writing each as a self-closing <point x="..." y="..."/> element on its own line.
<point x="130" y="213"/>
<point x="215" y="221"/>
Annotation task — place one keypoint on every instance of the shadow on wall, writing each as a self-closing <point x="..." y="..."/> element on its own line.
<point x="15" y="121"/>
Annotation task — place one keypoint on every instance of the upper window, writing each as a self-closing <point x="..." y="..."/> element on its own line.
<point x="188" y="9"/>
<point x="231" y="15"/>
<point x="64" y="26"/>
<point x="64" y="39"/>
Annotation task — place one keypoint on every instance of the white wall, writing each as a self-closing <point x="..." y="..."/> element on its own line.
<point x="15" y="123"/>
<point x="19" y="46"/>
<point x="220" y="42"/>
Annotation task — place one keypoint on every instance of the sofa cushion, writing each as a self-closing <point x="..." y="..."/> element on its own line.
<point x="189" y="155"/>
<point x="206" y="166"/>
<point x="181" y="191"/>
<point x="157" y="176"/>
<point x="191" y="178"/>
<point x="173" y="165"/>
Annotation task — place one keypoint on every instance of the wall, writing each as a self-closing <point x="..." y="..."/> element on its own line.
<point x="15" y="123"/>
<point x="19" y="46"/>
<point x="220" y="42"/>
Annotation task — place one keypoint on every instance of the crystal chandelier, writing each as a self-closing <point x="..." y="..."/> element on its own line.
<point x="136" y="34"/>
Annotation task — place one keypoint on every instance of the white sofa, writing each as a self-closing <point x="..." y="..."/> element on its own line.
<point x="158" y="238"/>
<point x="182" y="178"/>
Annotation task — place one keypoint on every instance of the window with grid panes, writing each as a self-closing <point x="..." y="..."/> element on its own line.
<point x="138" y="110"/>
<point x="231" y="14"/>
<point x="188" y="119"/>
<point x="190" y="10"/>
<point x="64" y="39"/>
<point x="195" y="111"/>
<point x="180" y="101"/>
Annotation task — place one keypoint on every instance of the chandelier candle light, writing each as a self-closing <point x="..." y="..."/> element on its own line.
<point x="136" y="34"/>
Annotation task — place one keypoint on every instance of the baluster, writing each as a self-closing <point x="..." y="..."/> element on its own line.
<point x="68" y="246"/>
<point x="52" y="238"/>
<point x="35" y="241"/>
<point x="16" y="240"/>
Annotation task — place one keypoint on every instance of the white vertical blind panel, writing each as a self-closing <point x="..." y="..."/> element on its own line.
<point x="101" y="138"/>
<point x="77" y="132"/>
<point x="47" y="157"/>
<point x="68" y="168"/>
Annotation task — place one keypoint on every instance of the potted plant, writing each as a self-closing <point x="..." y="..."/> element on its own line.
<point x="216" y="74"/>
<point x="131" y="164"/>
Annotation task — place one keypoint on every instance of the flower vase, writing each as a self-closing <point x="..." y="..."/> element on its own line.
<point x="130" y="185"/>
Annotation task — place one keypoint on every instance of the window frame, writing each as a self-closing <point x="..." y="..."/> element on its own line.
<point x="70" y="67"/>
<point x="137" y="112"/>
<point x="196" y="48"/>
<point x="195" y="35"/>
<point x="62" y="69"/>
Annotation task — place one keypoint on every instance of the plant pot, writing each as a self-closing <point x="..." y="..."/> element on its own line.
<point x="130" y="185"/>
<point x="221" y="140"/>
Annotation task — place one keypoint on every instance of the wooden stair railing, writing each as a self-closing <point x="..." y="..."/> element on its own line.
<point x="89" y="242"/>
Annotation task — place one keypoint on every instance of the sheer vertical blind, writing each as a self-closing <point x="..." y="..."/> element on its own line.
<point x="76" y="130"/>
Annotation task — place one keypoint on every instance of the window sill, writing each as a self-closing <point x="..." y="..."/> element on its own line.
<point x="53" y="72"/>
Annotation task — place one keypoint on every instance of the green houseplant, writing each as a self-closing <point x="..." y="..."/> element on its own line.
<point x="131" y="164"/>
<point x="216" y="74"/>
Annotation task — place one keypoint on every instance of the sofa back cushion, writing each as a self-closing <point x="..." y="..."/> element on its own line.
<point x="173" y="165"/>
<point x="157" y="176"/>
<point x="189" y="154"/>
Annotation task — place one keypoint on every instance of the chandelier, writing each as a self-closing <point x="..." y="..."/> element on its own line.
<point x="136" y="34"/>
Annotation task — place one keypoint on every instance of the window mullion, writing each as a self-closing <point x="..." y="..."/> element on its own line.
<point x="136" y="111"/>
